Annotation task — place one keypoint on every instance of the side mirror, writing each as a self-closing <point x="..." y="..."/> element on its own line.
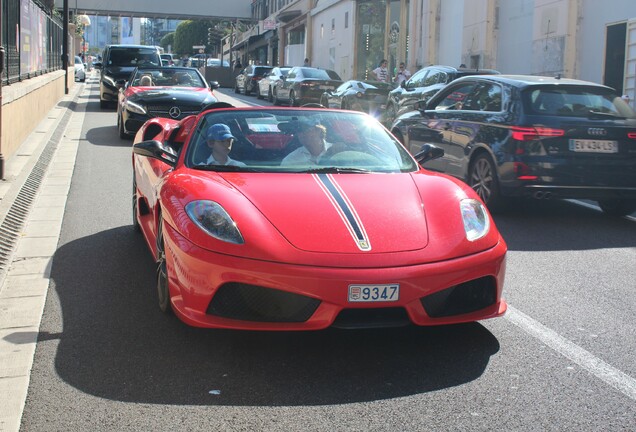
<point x="428" y="153"/>
<point x="157" y="150"/>
<point x="120" y="83"/>
<point x="403" y="84"/>
<point x="214" y="85"/>
<point x="421" y="105"/>
<point x="98" y="65"/>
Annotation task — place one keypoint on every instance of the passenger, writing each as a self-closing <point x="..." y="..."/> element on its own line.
<point x="219" y="140"/>
<point x="145" y="81"/>
<point x="312" y="137"/>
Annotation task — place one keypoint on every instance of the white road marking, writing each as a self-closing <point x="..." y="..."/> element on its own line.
<point x="595" y="207"/>
<point x="597" y="367"/>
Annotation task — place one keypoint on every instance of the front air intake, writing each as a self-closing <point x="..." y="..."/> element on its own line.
<point x="255" y="303"/>
<point x="461" y="299"/>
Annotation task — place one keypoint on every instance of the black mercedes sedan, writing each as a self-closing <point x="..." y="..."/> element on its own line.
<point x="365" y="96"/>
<point x="544" y="137"/>
<point x="172" y="92"/>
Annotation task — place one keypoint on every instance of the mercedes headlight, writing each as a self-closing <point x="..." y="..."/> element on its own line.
<point x="109" y="80"/>
<point x="475" y="217"/>
<point x="134" y="107"/>
<point x="214" y="220"/>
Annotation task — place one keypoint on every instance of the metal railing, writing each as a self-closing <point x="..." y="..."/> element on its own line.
<point x="31" y="51"/>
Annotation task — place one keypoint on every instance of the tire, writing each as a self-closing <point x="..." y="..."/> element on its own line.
<point x="236" y="89"/>
<point x="324" y="101"/>
<point x="270" y="97"/>
<point x="482" y="177"/>
<point x="258" y="93"/>
<point x="247" y="90"/>
<point x="617" y="207"/>
<point x="292" y="99"/>
<point x="163" y="290"/>
<point x="136" y="225"/>
<point x="390" y="114"/>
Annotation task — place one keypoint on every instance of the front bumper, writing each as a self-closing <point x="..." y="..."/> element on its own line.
<point x="197" y="275"/>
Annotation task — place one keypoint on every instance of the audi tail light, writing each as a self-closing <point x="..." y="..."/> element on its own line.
<point x="535" y="133"/>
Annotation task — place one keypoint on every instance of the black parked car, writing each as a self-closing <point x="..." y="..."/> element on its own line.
<point x="543" y="137"/>
<point x="365" y="96"/>
<point x="247" y="80"/>
<point x="170" y="91"/>
<point x="304" y="85"/>
<point x="422" y="85"/>
<point x="118" y="62"/>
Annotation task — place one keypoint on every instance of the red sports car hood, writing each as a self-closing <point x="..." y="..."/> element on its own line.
<point x="345" y="213"/>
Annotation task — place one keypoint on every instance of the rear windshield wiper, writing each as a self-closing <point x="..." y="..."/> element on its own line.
<point x="336" y="170"/>
<point x="591" y="114"/>
<point x="225" y="168"/>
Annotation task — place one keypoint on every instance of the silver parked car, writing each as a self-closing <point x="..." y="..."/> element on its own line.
<point x="80" y="70"/>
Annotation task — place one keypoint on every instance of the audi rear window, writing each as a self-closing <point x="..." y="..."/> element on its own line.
<point x="575" y="101"/>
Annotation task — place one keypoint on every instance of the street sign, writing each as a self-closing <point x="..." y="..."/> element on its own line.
<point x="198" y="47"/>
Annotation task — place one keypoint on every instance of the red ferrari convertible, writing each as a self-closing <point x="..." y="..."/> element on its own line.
<point x="300" y="219"/>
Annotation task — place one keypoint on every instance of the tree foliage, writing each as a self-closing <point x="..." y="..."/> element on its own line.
<point x="167" y="41"/>
<point x="191" y="33"/>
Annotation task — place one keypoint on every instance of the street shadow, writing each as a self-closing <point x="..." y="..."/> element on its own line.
<point x="557" y="225"/>
<point x="114" y="343"/>
<point x="107" y="136"/>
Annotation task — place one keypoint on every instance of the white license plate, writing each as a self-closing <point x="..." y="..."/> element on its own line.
<point x="593" y="146"/>
<point x="324" y="87"/>
<point x="374" y="293"/>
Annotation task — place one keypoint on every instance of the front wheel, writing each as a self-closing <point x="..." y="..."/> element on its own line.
<point x="136" y="225"/>
<point x="618" y="207"/>
<point x="292" y="99"/>
<point x="270" y="96"/>
<point x="120" y="127"/>
<point x="163" y="289"/>
<point x="482" y="177"/>
<point x="275" y="100"/>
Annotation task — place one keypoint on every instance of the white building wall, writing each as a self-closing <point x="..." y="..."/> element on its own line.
<point x="514" y="44"/>
<point x="451" y="26"/>
<point x="475" y="33"/>
<point x="334" y="49"/>
<point x="596" y="15"/>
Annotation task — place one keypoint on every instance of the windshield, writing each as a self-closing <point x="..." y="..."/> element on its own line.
<point x="575" y="101"/>
<point x="127" y="56"/>
<point x="167" y="77"/>
<point x="294" y="141"/>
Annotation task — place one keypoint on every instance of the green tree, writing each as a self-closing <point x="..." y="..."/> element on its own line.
<point x="167" y="41"/>
<point x="191" y="33"/>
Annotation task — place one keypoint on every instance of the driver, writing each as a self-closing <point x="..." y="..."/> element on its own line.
<point x="312" y="137"/>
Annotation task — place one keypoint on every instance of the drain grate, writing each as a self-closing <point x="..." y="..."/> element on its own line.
<point x="15" y="218"/>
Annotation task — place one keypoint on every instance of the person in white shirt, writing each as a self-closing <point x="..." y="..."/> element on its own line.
<point x="402" y="74"/>
<point x="381" y="72"/>
<point x="219" y="140"/>
<point x="312" y="137"/>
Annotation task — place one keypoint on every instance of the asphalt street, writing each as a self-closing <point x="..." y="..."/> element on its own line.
<point x="107" y="359"/>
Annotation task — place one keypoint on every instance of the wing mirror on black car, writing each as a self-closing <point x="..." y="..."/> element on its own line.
<point x="214" y="85"/>
<point x="428" y="153"/>
<point x="120" y="83"/>
<point x="157" y="150"/>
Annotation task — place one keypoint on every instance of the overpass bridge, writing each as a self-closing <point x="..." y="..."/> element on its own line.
<point x="172" y="9"/>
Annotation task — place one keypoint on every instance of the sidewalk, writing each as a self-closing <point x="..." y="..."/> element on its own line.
<point x="32" y="203"/>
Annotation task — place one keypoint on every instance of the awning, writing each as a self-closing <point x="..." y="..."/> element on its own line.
<point x="287" y="16"/>
<point x="247" y="41"/>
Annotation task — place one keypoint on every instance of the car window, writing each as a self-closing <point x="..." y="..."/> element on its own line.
<point x="432" y="78"/>
<point x="343" y="87"/>
<point x="483" y="97"/>
<point x="575" y="101"/>
<point x="316" y="74"/>
<point x="455" y="97"/>
<point x="263" y="139"/>
<point x="129" y="56"/>
<point x="168" y="77"/>
<point x="292" y="74"/>
<point x="417" y="80"/>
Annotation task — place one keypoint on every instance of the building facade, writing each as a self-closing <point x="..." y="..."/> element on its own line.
<point x="584" y="39"/>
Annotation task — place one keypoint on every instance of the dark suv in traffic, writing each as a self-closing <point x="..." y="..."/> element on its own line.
<point x="544" y="137"/>
<point x="118" y="62"/>
<point x="422" y="85"/>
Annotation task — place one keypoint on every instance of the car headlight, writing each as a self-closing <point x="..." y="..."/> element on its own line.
<point x="108" y="80"/>
<point x="475" y="217"/>
<point x="136" y="108"/>
<point x="214" y="220"/>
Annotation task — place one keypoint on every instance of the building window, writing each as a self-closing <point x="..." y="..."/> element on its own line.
<point x="333" y="26"/>
<point x="322" y="31"/>
<point x="346" y="20"/>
